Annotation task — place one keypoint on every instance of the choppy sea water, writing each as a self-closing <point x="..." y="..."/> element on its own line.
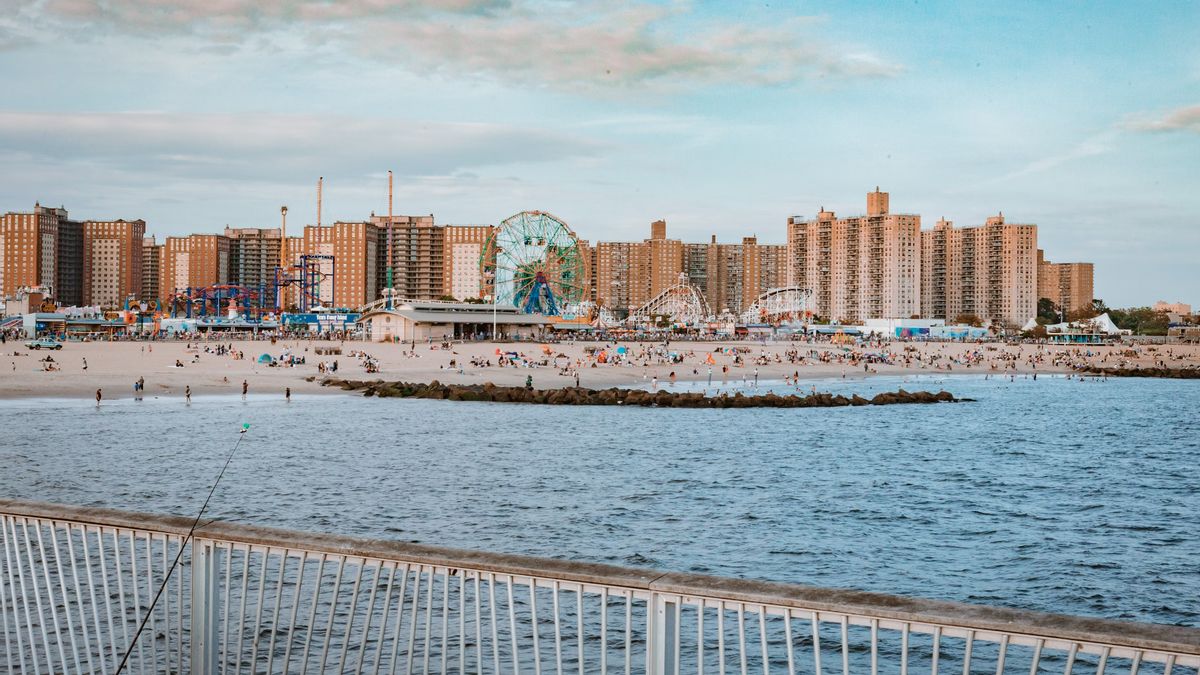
<point x="1055" y="494"/>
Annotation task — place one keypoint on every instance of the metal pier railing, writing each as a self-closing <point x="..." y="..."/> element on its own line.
<point x="76" y="582"/>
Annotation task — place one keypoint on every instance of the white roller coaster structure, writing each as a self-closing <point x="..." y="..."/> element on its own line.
<point x="779" y="305"/>
<point x="682" y="303"/>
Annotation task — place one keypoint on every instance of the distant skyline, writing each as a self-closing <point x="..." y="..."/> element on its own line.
<point x="722" y="118"/>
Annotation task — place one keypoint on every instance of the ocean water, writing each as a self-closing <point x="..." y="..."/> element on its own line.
<point x="1055" y="494"/>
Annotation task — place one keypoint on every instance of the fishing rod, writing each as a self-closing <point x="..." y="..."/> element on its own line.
<point x="182" y="546"/>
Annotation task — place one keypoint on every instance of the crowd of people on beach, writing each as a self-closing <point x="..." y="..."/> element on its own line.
<point x="668" y="358"/>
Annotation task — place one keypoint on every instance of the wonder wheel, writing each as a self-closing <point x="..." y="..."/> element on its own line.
<point x="535" y="263"/>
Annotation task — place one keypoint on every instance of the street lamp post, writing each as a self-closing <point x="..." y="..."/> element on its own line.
<point x="492" y="299"/>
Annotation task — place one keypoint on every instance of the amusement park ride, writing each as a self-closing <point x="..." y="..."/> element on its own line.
<point x="534" y="263"/>
<point x="307" y="275"/>
<point x="252" y="302"/>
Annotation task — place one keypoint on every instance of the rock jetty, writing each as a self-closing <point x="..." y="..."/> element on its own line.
<point x="1189" y="373"/>
<point x="631" y="397"/>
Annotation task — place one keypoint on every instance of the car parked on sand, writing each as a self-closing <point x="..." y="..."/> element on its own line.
<point x="44" y="343"/>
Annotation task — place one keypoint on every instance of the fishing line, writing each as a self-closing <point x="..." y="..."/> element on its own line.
<point x="179" y="554"/>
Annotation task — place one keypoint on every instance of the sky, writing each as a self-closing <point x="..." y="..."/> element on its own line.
<point x="722" y="118"/>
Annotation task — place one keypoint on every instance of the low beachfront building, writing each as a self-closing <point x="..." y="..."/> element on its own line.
<point x="409" y="320"/>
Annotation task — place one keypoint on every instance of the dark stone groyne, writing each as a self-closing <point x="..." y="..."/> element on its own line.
<point x="1166" y="373"/>
<point x="616" y="396"/>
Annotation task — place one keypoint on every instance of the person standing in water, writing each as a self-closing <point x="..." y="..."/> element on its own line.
<point x="287" y="394"/>
<point x="187" y="394"/>
<point x="245" y="388"/>
<point x="99" y="396"/>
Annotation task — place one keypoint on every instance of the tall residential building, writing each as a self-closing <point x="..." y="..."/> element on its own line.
<point x="626" y="275"/>
<point x="418" y="256"/>
<point x="695" y="265"/>
<point x="764" y="266"/>
<point x="1069" y="285"/>
<point x="462" y="275"/>
<point x="989" y="272"/>
<point x="662" y="259"/>
<point x="254" y="253"/>
<point x="725" y="288"/>
<point x="151" y="268"/>
<point x="865" y="267"/>
<point x="356" y="250"/>
<point x="616" y="264"/>
<point x="29" y="249"/>
<point x="195" y="261"/>
<point x="317" y="241"/>
<point x="69" y="288"/>
<point x="112" y="261"/>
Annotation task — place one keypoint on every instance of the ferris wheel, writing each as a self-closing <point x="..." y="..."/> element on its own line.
<point x="535" y="263"/>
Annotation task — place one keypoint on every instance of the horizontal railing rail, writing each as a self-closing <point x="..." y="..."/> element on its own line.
<point x="75" y="583"/>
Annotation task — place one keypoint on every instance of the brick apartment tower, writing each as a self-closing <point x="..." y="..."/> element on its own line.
<point x="357" y="248"/>
<point x="194" y="261"/>
<point x="462" y="275"/>
<point x="29" y="254"/>
<point x="418" y="256"/>
<point x="151" y="269"/>
<point x="865" y="267"/>
<point x="254" y="253"/>
<point x="988" y="271"/>
<point x="112" y="262"/>
<point x="1069" y="285"/>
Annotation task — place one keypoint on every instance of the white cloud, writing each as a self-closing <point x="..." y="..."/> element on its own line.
<point x="281" y="146"/>
<point x="1186" y="118"/>
<point x="577" y="45"/>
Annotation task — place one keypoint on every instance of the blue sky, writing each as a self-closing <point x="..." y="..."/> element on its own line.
<point x="723" y="118"/>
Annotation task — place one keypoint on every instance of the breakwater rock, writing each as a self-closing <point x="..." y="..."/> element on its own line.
<point x="1189" y="373"/>
<point x="616" y="396"/>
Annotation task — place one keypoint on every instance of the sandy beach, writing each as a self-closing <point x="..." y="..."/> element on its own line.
<point x="220" y="367"/>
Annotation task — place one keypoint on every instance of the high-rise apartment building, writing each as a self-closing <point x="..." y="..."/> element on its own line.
<point x="662" y="261"/>
<point x="69" y="288"/>
<point x="112" y="261"/>
<point x="317" y="241"/>
<point x="764" y="266"/>
<point x="1069" y="285"/>
<point x="418" y="256"/>
<point x="989" y="272"/>
<point x="151" y="269"/>
<point x="196" y="261"/>
<point x="616" y="264"/>
<point x="356" y="250"/>
<point x="725" y="278"/>
<point x="254" y="253"/>
<point x="29" y="249"/>
<point x="462" y="275"/>
<point x="865" y="267"/>
<point x="626" y="275"/>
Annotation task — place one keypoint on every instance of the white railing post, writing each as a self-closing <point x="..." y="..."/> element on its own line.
<point x="661" y="649"/>
<point x="205" y="606"/>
